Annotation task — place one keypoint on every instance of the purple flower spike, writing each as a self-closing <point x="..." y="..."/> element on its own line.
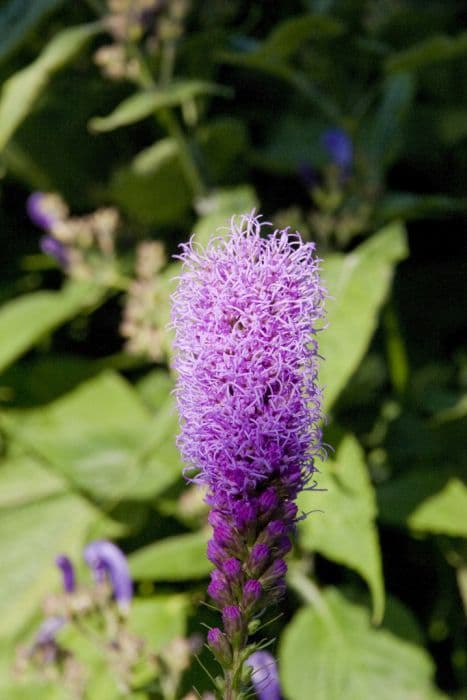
<point x="68" y="573"/>
<point x="339" y="147"/>
<point x="264" y="675"/>
<point x="105" y="558"/>
<point x="246" y="315"/>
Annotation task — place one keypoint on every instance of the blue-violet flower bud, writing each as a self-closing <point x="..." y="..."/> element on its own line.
<point x="68" y="572"/>
<point x="105" y="558"/>
<point x="264" y="675"/>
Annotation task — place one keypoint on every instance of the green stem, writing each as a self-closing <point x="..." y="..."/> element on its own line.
<point x="170" y="122"/>
<point x="188" y="163"/>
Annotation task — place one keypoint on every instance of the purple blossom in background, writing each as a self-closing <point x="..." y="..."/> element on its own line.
<point x="51" y="246"/>
<point x="246" y="313"/>
<point x="264" y="675"/>
<point x="68" y="572"/>
<point x="48" y="630"/>
<point x="339" y="147"/>
<point x="42" y="210"/>
<point x="107" y="560"/>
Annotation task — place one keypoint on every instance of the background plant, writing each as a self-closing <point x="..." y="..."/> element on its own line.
<point x="174" y="116"/>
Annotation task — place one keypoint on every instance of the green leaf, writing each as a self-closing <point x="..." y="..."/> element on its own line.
<point x="221" y="206"/>
<point x="404" y="205"/>
<point x="143" y="104"/>
<point x="358" y="284"/>
<point x="330" y="651"/>
<point x="21" y="91"/>
<point x="382" y="136"/>
<point x="30" y="538"/>
<point x="103" y="439"/>
<point x="154" y="388"/>
<point x="152" y="188"/>
<point x="159" y="619"/>
<point x="399" y="498"/>
<point x="444" y="513"/>
<point x="18" y="18"/>
<point x="24" y="479"/>
<point x="25" y="321"/>
<point x="289" y="36"/>
<point x="434" y="49"/>
<point x="178" y="558"/>
<point x="345" y="531"/>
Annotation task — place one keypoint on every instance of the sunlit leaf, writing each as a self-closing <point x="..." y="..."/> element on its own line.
<point x="330" y="651"/>
<point x="358" y="284"/>
<point x="26" y="320"/>
<point x="178" y="558"/>
<point x="341" y="522"/>
<point x="20" y="92"/>
<point x="443" y="513"/>
<point x="142" y="104"/>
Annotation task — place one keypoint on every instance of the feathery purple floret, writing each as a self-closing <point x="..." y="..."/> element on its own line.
<point x="245" y="316"/>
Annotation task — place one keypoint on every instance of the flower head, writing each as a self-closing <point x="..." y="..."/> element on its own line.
<point x="246" y="314"/>
<point x="106" y="559"/>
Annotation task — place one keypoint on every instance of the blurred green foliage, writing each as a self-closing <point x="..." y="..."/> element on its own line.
<point x="216" y="110"/>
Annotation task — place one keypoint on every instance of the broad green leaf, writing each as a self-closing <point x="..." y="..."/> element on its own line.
<point x="401" y="497"/>
<point x="178" y="558"/>
<point x="343" y="528"/>
<point x="159" y="619"/>
<point x="104" y="440"/>
<point x="330" y="652"/>
<point x="152" y="188"/>
<point x="434" y="49"/>
<point x="33" y="691"/>
<point x="18" y="18"/>
<point x="221" y="206"/>
<point x="444" y="513"/>
<point x="26" y="320"/>
<point x="24" y="479"/>
<point x="41" y="378"/>
<point x="31" y="536"/>
<point x="143" y="104"/>
<point x="358" y="284"/>
<point x="154" y="388"/>
<point x="21" y="91"/>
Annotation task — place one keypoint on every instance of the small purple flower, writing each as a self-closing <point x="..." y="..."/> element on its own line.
<point x="68" y="572"/>
<point x="55" y="249"/>
<point x="48" y="630"/>
<point x="339" y="147"/>
<point x="264" y="675"/>
<point x="106" y="559"/>
<point x="45" y="209"/>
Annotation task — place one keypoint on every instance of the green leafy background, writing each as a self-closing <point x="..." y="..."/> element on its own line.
<point x="377" y="587"/>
